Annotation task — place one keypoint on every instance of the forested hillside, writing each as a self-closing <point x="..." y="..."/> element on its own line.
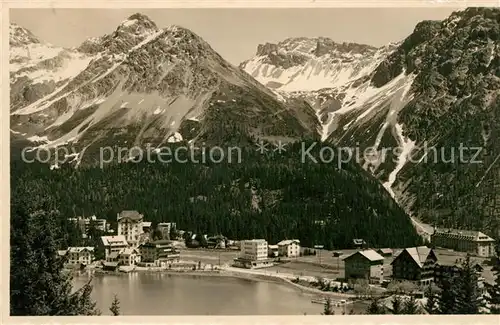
<point x="273" y="196"/>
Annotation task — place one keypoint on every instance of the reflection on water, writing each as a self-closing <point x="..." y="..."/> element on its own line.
<point x="170" y="294"/>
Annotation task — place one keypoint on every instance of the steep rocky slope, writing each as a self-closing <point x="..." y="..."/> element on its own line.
<point x="437" y="89"/>
<point x="141" y="85"/>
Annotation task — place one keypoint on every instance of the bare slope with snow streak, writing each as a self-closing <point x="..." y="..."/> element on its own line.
<point x="336" y="80"/>
<point x="438" y="88"/>
<point x="145" y="85"/>
<point x="309" y="64"/>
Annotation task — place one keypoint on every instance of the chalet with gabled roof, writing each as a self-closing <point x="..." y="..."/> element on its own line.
<point x="366" y="264"/>
<point x="415" y="264"/>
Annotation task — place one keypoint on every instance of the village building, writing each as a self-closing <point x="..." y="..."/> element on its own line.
<point x="166" y="228"/>
<point x="80" y="255"/>
<point x="273" y="250"/>
<point x="473" y="242"/>
<point x="385" y="252"/>
<point x="84" y="223"/>
<point x="130" y="226"/>
<point x="366" y="264"/>
<point x="446" y="267"/>
<point x="218" y="241"/>
<point x="146" y="226"/>
<point x="129" y="256"/>
<point x="109" y="266"/>
<point x="254" y="254"/>
<point x="113" y="245"/>
<point x="113" y="257"/>
<point x="359" y="243"/>
<point x="160" y="253"/>
<point x="289" y="248"/>
<point x="415" y="264"/>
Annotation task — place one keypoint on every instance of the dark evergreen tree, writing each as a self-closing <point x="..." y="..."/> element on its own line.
<point x="431" y="304"/>
<point x="38" y="284"/>
<point x="411" y="307"/>
<point x="494" y="289"/>
<point x="469" y="299"/>
<point x="328" y="308"/>
<point x="202" y="241"/>
<point x="157" y="234"/>
<point x="115" y="306"/>
<point x="447" y="299"/>
<point x="396" y="305"/>
<point x="173" y="233"/>
<point x="375" y="308"/>
<point x="94" y="239"/>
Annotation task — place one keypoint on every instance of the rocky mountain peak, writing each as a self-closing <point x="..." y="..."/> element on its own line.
<point x="318" y="46"/>
<point x="129" y="33"/>
<point x="456" y="40"/>
<point x="326" y="45"/>
<point x="137" y="24"/>
<point x="19" y="36"/>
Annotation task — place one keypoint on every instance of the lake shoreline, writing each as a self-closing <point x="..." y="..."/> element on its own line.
<point x="244" y="274"/>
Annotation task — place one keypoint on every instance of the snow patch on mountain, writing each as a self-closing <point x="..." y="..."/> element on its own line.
<point x="406" y="146"/>
<point x="311" y="64"/>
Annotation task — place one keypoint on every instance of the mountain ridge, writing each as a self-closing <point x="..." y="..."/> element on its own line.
<point x="147" y="82"/>
<point x="438" y="87"/>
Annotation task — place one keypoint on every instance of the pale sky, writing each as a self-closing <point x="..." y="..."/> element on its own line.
<point x="235" y="33"/>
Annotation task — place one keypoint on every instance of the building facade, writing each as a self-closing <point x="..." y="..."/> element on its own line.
<point x="80" y="255"/>
<point x="254" y="254"/>
<point x="273" y="250"/>
<point x="165" y="228"/>
<point x="129" y="256"/>
<point x="289" y="248"/>
<point x="84" y="223"/>
<point x="385" y="252"/>
<point x="113" y="245"/>
<point x="130" y="226"/>
<point x="160" y="252"/>
<point x="366" y="264"/>
<point x="255" y="249"/>
<point x="415" y="264"/>
<point x="473" y="242"/>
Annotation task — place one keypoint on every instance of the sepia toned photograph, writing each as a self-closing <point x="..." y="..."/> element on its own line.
<point x="254" y="161"/>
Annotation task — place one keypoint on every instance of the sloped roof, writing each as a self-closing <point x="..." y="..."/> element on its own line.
<point x="385" y="250"/>
<point x="359" y="241"/>
<point x="161" y="242"/>
<point x="146" y="223"/>
<point x="288" y="242"/>
<point x="113" y="255"/>
<point x="370" y="254"/>
<point x="110" y="264"/>
<point x="129" y="214"/>
<point x="418" y="254"/>
<point x="114" y="240"/>
<point x="129" y="251"/>
<point x="80" y="249"/>
<point x="468" y="234"/>
<point x="61" y="252"/>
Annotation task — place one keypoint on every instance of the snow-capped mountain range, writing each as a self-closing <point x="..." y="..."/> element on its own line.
<point x="143" y="85"/>
<point x="336" y="80"/>
<point x="139" y="85"/>
<point x="438" y="88"/>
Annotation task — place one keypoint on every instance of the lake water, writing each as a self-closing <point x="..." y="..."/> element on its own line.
<point x="171" y="294"/>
